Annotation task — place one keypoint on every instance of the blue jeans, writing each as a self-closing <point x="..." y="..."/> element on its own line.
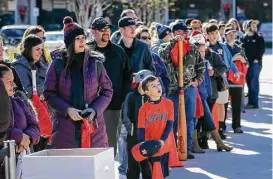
<point x="175" y="99"/>
<point x="122" y="151"/>
<point x="208" y="119"/>
<point x="190" y="106"/>
<point x="252" y="79"/>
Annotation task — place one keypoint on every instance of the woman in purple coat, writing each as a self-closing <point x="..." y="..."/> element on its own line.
<point x="24" y="127"/>
<point x="77" y="80"/>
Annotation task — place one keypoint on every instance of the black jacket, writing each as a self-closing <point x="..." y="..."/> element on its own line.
<point x="219" y="68"/>
<point x="141" y="56"/>
<point x="130" y="109"/>
<point x="254" y="47"/>
<point x="118" y="69"/>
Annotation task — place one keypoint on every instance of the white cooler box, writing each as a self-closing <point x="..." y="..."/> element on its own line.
<point x="95" y="163"/>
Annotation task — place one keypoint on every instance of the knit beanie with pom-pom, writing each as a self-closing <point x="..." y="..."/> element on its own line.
<point x="71" y="30"/>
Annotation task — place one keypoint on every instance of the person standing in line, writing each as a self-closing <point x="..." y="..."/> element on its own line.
<point x="24" y="128"/>
<point x="116" y="36"/>
<point x="193" y="76"/>
<point x="139" y="54"/>
<point x="164" y="35"/>
<point x="222" y="50"/>
<point x="77" y="81"/>
<point x="206" y="91"/>
<point x="118" y="69"/>
<point x="254" y="46"/>
<point x="235" y="91"/>
<point x="140" y="58"/>
<point x="31" y="59"/>
<point x="161" y="71"/>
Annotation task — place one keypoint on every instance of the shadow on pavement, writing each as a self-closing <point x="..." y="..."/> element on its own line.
<point x="252" y="149"/>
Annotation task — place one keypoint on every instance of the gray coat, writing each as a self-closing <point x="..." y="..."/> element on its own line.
<point x="23" y="68"/>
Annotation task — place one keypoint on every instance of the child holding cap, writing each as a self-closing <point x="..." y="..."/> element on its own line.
<point x="155" y="122"/>
<point x="133" y="101"/>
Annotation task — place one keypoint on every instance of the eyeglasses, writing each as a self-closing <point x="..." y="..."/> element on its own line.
<point x="145" y="38"/>
<point x="105" y="30"/>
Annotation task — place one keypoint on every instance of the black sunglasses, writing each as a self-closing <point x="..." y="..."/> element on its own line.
<point x="105" y="30"/>
<point x="145" y="38"/>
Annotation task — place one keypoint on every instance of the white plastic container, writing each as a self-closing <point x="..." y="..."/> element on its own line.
<point x="95" y="163"/>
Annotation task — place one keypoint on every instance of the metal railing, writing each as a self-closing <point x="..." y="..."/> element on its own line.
<point x="10" y="160"/>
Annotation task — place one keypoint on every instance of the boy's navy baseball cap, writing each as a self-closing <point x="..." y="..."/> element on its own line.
<point x="146" y="149"/>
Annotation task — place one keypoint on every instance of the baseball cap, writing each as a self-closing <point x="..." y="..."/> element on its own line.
<point x="139" y="76"/>
<point x="126" y="21"/>
<point x="146" y="149"/>
<point x="180" y="26"/>
<point x="229" y="30"/>
<point x="100" y="23"/>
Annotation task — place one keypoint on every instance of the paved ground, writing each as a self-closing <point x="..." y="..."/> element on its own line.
<point x="252" y="154"/>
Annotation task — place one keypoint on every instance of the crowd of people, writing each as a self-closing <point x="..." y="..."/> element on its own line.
<point x="124" y="88"/>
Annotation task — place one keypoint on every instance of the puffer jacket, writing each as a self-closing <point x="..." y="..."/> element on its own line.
<point x="193" y="66"/>
<point x="23" y="121"/>
<point x="23" y="68"/>
<point x="97" y="94"/>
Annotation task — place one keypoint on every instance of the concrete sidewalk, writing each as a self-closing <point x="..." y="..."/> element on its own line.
<point x="251" y="157"/>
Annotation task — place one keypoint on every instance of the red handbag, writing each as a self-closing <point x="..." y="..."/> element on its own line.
<point x="86" y="130"/>
<point x="44" y="118"/>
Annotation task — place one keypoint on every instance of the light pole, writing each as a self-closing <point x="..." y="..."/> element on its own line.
<point x="234" y="9"/>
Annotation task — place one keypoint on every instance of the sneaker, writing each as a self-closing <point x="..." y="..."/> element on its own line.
<point x="238" y="130"/>
<point x="190" y="156"/>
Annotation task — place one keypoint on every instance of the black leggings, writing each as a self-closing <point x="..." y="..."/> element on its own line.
<point x="236" y="101"/>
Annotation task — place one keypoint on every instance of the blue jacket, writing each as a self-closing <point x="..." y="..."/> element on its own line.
<point x="161" y="72"/>
<point x="205" y="89"/>
<point x="228" y="59"/>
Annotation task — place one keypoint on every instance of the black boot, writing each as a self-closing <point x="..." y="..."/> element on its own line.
<point x="221" y="130"/>
<point x="203" y="143"/>
<point x="203" y="140"/>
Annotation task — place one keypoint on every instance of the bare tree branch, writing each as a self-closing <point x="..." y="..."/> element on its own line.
<point x="87" y="10"/>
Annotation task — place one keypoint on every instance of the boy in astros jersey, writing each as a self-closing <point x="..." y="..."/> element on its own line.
<point x="155" y="122"/>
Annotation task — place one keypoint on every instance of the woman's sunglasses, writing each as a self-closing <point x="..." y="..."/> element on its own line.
<point x="145" y="38"/>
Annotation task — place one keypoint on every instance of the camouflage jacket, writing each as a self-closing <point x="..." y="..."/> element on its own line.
<point x="193" y="66"/>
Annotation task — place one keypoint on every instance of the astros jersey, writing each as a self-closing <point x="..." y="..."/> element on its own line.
<point x="153" y="118"/>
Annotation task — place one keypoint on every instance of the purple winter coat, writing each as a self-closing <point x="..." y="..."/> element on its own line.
<point x="97" y="94"/>
<point x="23" y="122"/>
